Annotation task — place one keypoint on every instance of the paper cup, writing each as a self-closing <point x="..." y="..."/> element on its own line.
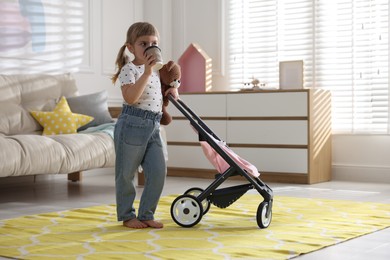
<point x="156" y="52"/>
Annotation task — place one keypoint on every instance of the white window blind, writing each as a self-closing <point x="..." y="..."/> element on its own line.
<point x="344" y="46"/>
<point x="42" y="36"/>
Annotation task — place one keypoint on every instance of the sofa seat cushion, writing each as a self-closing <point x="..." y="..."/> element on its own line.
<point x="35" y="154"/>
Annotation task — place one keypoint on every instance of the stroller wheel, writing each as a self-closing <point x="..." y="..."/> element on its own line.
<point x="186" y="210"/>
<point x="263" y="220"/>
<point x="195" y="192"/>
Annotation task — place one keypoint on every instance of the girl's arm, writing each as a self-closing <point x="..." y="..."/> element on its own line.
<point x="132" y="92"/>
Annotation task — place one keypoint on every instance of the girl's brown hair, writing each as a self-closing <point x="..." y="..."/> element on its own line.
<point x="135" y="30"/>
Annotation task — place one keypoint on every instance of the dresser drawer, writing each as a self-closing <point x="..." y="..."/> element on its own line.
<point x="267" y="104"/>
<point x="266" y="160"/>
<point x="213" y="105"/>
<point x="181" y="130"/>
<point x="281" y="160"/>
<point x="277" y="132"/>
<point x="188" y="157"/>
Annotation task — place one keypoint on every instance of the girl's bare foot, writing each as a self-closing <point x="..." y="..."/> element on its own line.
<point x="152" y="223"/>
<point x="134" y="223"/>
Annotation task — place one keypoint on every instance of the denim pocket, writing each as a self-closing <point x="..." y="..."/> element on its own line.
<point x="136" y="130"/>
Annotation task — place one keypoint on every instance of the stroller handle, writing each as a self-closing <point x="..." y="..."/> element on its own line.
<point x="194" y="119"/>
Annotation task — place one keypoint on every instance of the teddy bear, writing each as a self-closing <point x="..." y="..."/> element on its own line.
<point x="170" y="75"/>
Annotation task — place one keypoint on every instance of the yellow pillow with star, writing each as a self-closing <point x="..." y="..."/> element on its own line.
<point x="61" y="120"/>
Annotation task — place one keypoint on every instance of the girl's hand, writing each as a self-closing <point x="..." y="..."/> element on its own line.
<point x="172" y="91"/>
<point x="150" y="61"/>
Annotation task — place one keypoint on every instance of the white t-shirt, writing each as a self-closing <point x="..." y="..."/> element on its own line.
<point x="151" y="98"/>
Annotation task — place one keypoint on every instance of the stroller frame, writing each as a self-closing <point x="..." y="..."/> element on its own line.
<point x="187" y="209"/>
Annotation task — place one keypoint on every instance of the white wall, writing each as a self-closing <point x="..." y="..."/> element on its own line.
<point x="181" y="22"/>
<point x="361" y="157"/>
<point x="106" y="23"/>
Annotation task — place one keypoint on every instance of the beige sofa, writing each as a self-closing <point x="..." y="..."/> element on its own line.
<point x="23" y="148"/>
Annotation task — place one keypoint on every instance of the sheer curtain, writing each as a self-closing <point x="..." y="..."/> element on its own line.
<point x="344" y="45"/>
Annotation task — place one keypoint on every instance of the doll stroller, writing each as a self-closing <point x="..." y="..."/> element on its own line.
<point x="187" y="209"/>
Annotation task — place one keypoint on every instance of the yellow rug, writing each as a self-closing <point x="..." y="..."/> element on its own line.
<point x="298" y="226"/>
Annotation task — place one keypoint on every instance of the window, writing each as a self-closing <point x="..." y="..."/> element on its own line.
<point x="41" y="36"/>
<point x="344" y="46"/>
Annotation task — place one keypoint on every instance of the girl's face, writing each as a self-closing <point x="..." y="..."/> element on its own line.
<point x="139" y="47"/>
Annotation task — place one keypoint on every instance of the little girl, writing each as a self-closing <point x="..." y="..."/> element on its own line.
<point x="137" y="131"/>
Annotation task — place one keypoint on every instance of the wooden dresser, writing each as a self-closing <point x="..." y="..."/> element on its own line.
<point x="286" y="134"/>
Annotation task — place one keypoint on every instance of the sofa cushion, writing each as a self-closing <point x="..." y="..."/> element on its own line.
<point x="86" y="151"/>
<point x="38" y="154"/>
<point x="94" y="105"/>
<point x="27" y="154"/>
<point x="61" y="120"/>
<point x="15" y="119"/>
<point x="20" y="94"/>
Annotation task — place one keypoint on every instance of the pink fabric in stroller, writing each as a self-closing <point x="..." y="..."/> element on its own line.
<point x="220" y="164"/>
